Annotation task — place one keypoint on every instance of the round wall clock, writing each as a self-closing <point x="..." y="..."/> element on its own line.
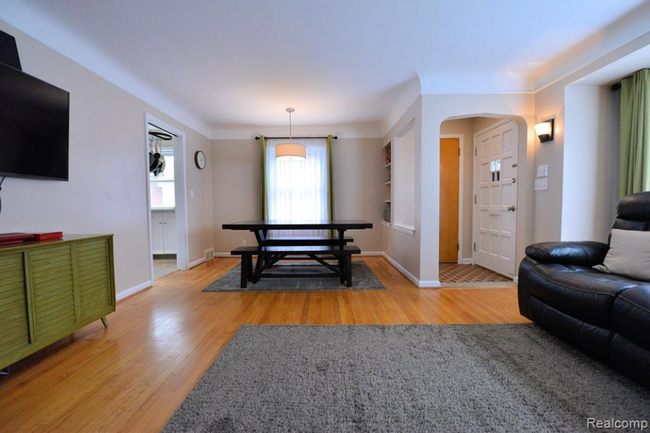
<point x="199" y="159"/>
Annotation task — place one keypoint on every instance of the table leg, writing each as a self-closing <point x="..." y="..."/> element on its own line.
<point x="341" y="269"/>
<point x="341" y="238"/>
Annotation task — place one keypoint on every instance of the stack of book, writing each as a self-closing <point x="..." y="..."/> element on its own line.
<point x="20" y="238"/>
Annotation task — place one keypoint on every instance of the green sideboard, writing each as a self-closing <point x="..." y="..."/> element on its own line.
<point x="50" y="289"/>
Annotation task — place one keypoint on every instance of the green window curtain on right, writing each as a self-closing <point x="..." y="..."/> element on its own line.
<point x="635" y="134"/>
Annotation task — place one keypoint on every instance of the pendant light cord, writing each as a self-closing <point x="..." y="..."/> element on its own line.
<point x="290" y="125"/>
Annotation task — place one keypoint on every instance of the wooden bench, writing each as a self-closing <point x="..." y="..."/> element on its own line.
<point x="306" y="241"/>
<point x="270" y="255"/>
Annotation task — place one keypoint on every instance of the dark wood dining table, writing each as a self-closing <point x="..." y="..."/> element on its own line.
<point x="270" y="249"/>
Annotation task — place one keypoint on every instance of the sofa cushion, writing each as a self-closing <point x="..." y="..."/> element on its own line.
<point x="578" y="291"/>
<point x="629" y="255"/>
<point x="631" y="315"/>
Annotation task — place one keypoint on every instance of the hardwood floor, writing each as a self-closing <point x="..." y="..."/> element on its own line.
<point x="133" y="376"/>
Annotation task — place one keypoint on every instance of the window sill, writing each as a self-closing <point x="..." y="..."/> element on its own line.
<point x="403" y="229"/>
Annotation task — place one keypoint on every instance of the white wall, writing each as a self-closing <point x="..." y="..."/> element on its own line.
<point x="591" y="155"/>
<point x="358" y="187"/>
<point x="107" y="188"/>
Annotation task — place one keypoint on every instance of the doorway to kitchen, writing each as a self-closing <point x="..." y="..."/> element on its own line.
<point x="166" y="203"/>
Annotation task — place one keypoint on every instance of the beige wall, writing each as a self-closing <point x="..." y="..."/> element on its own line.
<point x="358" y="187"/>
<point x="577" y="207"/>
<point x="106" y="192"/>
<point x="403" y="248"/>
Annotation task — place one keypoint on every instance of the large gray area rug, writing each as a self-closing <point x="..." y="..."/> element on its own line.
<point x="362" y="278"/>
<point x="405" y="378"/>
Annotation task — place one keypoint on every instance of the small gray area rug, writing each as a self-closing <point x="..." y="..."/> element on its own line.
<point x="448" y="378"/>
<point x="362" y="278"/>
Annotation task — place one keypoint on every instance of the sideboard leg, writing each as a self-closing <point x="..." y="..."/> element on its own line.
<point x="105" y="322"/>
<point x="4" y="371"/>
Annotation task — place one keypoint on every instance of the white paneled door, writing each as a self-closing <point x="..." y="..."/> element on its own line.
<point x="495" y="198"/>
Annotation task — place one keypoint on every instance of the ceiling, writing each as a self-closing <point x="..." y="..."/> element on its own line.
<point x="239" y="63"/>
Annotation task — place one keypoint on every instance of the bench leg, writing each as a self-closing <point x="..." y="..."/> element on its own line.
<point x="348" y="270"/>
<point x="244" y="272"/>
<point x="249" y="268"/>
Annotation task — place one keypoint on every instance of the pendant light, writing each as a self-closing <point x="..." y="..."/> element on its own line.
<point x="290" y="151"/>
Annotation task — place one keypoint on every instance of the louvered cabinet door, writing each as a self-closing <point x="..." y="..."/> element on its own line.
<point x="94" y="279"/>
<point x="14" y="322"/>
<point x="53" y="295"/>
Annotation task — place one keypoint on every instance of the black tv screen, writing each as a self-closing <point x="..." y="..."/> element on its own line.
<point x="34" y="126"/>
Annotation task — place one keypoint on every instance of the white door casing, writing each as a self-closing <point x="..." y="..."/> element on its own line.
<point x="495" y="193"/>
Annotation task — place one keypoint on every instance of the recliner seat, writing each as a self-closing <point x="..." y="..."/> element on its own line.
<point x="605" y="315"/>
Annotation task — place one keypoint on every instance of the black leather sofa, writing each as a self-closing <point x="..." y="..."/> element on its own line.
<point x="604" y="315"/>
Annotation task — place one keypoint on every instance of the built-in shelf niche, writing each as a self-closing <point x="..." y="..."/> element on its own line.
<point x="388" y="180"/>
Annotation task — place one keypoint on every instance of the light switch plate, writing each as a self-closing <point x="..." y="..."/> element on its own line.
<point x="542" y="171"/>
<point x="541" y="184"/>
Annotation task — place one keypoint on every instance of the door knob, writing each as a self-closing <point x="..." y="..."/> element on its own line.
<point x="511" y="208"/>
<point x="513" y="180"/>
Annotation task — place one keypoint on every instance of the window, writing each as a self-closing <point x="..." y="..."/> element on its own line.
<point x="163" y="193"/>
<point x="297" y="191"/>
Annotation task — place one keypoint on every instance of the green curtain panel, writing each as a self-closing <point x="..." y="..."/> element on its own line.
<point x="330" y="174"/>
<point x="635" y="134"/>
<point x="264" y="203"/>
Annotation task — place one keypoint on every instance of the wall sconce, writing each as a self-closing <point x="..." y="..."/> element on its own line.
<point x="545" y="130"/>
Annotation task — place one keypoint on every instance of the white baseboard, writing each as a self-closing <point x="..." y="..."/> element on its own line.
<point x="409" y="275"/>
<point x="223" y="255"/>
<point x="133" y="290"/>
<point x="196" y="263"/>
<point x="467" y="261"/>
<point x="515" y="280"/>
<point x="429" y="283"/>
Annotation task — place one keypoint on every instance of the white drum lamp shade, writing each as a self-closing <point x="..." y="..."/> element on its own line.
<point x="290" y="152"/>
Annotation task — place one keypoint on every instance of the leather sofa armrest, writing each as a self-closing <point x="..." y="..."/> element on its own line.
<point x="586" y="253"/>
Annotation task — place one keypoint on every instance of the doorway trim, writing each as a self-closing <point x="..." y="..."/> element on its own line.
<point x="180" y="186"/>
<point x="461" y="155"/>
<point x="475" y="188"/>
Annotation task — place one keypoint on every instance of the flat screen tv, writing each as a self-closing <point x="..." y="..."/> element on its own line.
<point x="34" y="127"/>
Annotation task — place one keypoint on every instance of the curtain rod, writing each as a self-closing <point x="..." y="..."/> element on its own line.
<point x="257" y="137"/>
<point x="616" y="86"/>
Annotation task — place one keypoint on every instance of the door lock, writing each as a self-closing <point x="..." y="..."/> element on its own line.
<point x="513" y="180"/>
<point x="511" y="208"/>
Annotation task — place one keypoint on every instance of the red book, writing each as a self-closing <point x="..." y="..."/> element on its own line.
<point x="47" y="236"/>
<point x="14" y="238"/>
